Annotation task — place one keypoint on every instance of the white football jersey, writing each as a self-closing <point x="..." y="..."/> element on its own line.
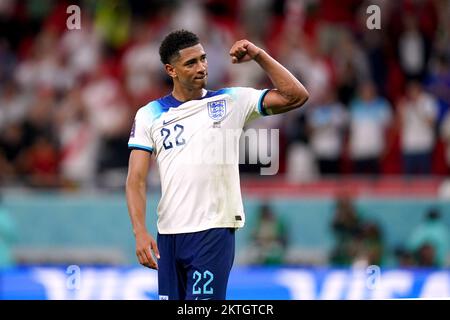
<point x="196" y="146"/>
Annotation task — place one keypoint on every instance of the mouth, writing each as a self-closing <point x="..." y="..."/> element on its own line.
<point x="202" y="77"/>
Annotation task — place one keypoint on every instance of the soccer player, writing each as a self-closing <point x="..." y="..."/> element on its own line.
<point x="200" y="206"/>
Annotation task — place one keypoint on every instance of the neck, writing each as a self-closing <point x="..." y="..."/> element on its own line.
<point x="184" y="94"/>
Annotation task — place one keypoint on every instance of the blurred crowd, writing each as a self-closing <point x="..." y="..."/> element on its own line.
<point x="357" y="240"/>
<point x="379" y="98"/>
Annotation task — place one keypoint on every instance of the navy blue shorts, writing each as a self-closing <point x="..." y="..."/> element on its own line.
<point x="195" y="266"/>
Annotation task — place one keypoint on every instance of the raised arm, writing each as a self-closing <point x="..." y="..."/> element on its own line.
<point x="136" y="201"/>
<point x="288" y="94"/>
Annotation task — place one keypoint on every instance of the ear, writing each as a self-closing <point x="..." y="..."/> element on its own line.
<point x="170" y="69"/>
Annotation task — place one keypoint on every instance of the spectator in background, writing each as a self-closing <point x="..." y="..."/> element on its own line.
<point x="346" y="227"/>
<point x="356" y="240"/>
<point x="143" y="77"/>
<point x="445" y="134"/>
<point x="42" y="163"/>
<point x="369" y="247"/>
<point x="370" y="116"/>
<point x="78" y="141"/>
<point x="445" y="125"/>
<point x="109" y="113"/>
<point x="430" y="240"/>
<point x="217" y="41"/>
<point x="269" y="239"/>
<point x="110" y="14"/>
<point x="405" y="258"/>
<point x="7" y="61"/>
<point x="300" y="162"/>
<point x="412" y="49"/>
<point x="426" y="256"/>
<point x="7" y="236"/>
<point x="326" y="123"/>
<point x="14" y="104"/>
<point x="418" y="112"/>
<point x="41" y="154"/>
<point x="438" y="83"/>
<point x="304" y="57"/>
<point x="351" y="64"/>
<point x="82" y="48"/>
<point x="11" y="153"/>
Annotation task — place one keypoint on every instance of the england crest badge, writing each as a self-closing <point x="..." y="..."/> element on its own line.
<point x="217" y="109"/>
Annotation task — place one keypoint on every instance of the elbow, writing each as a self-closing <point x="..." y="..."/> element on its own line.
<point x="129" y="181"/>
<point x="300" y="98"/>
<point x="128" y="185"/>
<point x="304" y="96"/>
<point x="134" y="183"/>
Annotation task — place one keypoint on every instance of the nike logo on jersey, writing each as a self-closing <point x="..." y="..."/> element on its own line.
<point x="165" y="123"/>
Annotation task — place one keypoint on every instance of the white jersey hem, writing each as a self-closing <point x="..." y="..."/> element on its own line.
<point x="203" y="228"/>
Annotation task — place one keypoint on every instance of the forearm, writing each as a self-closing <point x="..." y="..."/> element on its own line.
<point x="288" y="86"/>
<point x="136" y="201"/>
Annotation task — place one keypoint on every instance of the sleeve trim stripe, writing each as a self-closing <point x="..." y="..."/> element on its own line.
<point x="261" y="109"/>
<point x="136" y="146"/>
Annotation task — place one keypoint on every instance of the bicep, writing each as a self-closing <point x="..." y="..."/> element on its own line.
<point x="138" y="165"/>
<point x="275" y="103"/>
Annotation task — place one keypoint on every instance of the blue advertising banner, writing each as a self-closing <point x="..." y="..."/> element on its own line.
<point x="246" y="283"/>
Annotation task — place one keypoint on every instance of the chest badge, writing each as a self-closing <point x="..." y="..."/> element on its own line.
<point x="217" y="109"/>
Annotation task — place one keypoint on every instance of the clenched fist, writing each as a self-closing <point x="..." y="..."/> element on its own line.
<point x="243" y="51"/>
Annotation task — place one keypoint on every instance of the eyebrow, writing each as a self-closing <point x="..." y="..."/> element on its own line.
<point x="194" y="59"/>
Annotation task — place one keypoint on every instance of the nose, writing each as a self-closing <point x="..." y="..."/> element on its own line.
<point x="202" y="67"/>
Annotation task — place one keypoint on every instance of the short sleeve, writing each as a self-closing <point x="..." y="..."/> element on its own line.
<point x="250" y="102"/>
<point x="140" y="137"/>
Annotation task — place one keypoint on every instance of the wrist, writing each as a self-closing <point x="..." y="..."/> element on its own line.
<point x="140" y="231"/>
<point x="257" y="57"/>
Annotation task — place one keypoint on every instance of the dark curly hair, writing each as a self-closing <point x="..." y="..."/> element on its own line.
<point x="174" y="42"/>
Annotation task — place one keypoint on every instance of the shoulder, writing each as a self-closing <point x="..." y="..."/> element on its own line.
<point x="236" y="89"/>
<point x="150" y="111"/>
<point x="238" y="92"/>
<point x="152" y="106"/>
<point x="212" y="93"/>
